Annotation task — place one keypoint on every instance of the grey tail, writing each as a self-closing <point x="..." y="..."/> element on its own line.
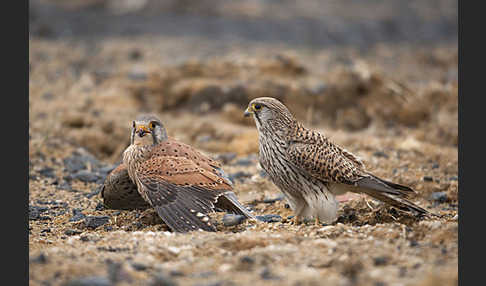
<point x="390" y="193"/>
<point x="229" y="202"/>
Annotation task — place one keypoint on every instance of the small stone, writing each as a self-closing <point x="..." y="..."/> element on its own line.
<point x="273" y="200"/>
<point x="428" y="179"/>
<point x="453" y="178"/>
<point x="266" y="274"/>
<point x="240" y="175"/>
<point x="47" y="172"/>
<point x="233" y="219"/>
<point x="225" y="158"/>
<point x="269" y="218"/>
<point x="139" y="266"/>
<point x="90" y="281"/>
<point x="100" y="206"/>
<point x="435" y="166"/>
<point x="77" y="215"/>
<point x="96" y="221"/>
<point x="72" y="232"/>
<point x="440" y="197"/>
<point x="86" y="176"/>
<point x="41" y="259"/>
<point x="162" y="280"/>
<point x="381" y="260"/>
<point x="380" y="154"/>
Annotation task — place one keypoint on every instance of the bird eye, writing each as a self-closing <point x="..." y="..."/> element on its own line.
<point x="152" y="125"/>
<point x="257" y="106"/>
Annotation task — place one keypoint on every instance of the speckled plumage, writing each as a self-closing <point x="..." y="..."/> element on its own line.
<point x="180" y="183"/>
<point x="310" y="169"/>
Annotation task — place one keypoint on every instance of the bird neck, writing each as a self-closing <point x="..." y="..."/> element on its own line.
<point x="134" y="155"/>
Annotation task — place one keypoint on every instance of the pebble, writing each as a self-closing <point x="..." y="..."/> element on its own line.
<point x="94" y="192"/>
<point x="86" y="176"/>
<point x="428" y="179"/>
<point x="35" y="213"/>
<point x="77" y="215"/>
<point x="162" y="280"/>
<point x="269" y="218"/>
<point x="233" y="219"/>
<point x="381" y="260"/>
<point x="72" y="232"/>
<point x="96" y="221"/>
<point x="440" y="197"/>
<point x="266" y="274"/>
<point x="77" y="162"/>
<point x="225" y="158"/>
<point x="240" y="175"/>
<point x="380" y="154"/>
<point x="273" y="200"/>
<point x="47" y="172"/>
<point x="89" y="281"/>
<point x="41" y="259"/>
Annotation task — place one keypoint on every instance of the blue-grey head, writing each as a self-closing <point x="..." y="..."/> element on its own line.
<point x="147" y="129"/>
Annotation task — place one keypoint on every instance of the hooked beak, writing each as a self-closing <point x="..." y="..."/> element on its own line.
<point x="142" y="130"/>
<point x="248" y="112"/>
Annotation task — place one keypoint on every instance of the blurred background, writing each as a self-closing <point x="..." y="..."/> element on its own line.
<point x="345" y="65"/>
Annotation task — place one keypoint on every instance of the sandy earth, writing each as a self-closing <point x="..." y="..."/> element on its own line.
<point x="394" y="105"/>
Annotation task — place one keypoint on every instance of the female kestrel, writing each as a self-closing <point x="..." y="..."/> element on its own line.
<point x="310" y="170"/>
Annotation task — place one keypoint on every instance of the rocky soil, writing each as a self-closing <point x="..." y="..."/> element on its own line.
<point x="394" y="104"/>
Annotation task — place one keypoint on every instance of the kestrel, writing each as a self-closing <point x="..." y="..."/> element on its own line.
<point x="180" y="183"/>
<point x="310" y="170"/>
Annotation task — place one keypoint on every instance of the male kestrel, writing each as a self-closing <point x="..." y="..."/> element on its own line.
<point x="180" y="183"/>
<point x="310" y="170"/>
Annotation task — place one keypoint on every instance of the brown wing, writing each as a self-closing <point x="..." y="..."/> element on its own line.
<point x="119" y="192"/>
<point x="181" y="191"/>
<point x="322" y="159"/>
<point x="174" y="148"/>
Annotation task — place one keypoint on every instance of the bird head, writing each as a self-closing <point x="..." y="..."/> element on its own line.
<point x="147" y="129"/>
<point x="268" y="109"/>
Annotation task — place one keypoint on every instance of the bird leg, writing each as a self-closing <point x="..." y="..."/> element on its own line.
<point x="296" y="220"/>
<point x="317" y="221"/>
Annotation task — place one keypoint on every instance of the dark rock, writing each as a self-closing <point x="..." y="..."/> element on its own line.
<point x="90" y="281"/>
<point x="86" y="176"/>
<point x="77" y="215"/>
<point x="35" y="213"/>
<point x="428" y="179"/>
<point x="116" y="273"/>
<point x="137" y="76"/>
<point x="108" y="228"/>
<point x="269" y="218"/>
<point x="107" y="169"/>
<point x="273" y="200"/>
<point x="240" y="175"/>
<point x="47" y="172"/>
<point x="94" y="192"/>
<point x="41" y="259"/>
<point x="162" y="280"/>
<point x="225" y="158"/>
<point x="440" y="197"/>
<point x="380" y="154"/>
<point x="135" y="55"/>
<point x="176" y="273"/>
<point x="96" y="221"/>
<point x="46" y="230"/>
<point x="233" y="219"/>
<point x="435" y="165"/>
<point x="47" y="96"/>
<point x="78" y="161"/>
<point x="381" y="260"/>
<point x="453" y="178"/>
<point x="100" y="206"/>
<point x="65" y="186"/>
<point x="263" y="174"/>
<point x="72" y="232"/>
<point x="244" y="162"/>
<point x="139" y="266"/>
<point x="266" y="274"/>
